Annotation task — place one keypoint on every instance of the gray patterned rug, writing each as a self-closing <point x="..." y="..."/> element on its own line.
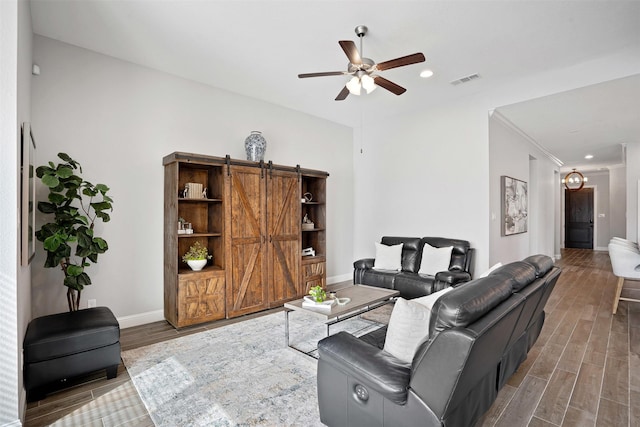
<point x="236" y="375"/>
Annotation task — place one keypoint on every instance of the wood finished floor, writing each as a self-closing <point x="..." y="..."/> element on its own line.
<point x="583" y="371"/>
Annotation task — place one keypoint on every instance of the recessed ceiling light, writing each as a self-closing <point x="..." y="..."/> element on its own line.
<point x="425" y="74"/>
<point x="589" y="156"/>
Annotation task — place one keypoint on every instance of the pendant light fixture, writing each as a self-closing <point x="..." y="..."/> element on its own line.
<point x="574" y="180"/>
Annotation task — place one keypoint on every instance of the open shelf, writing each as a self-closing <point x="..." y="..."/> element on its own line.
<point x="182" y="199"/>
<point x="192" y="235"/>
<point x="208" y="268"/>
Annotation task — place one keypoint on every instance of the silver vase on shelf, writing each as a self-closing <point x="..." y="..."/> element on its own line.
<point x="255" y="145"/>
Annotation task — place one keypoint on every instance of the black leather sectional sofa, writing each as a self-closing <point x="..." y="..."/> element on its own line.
<point x="479" y="333"/>
<point x="408" y="281"/>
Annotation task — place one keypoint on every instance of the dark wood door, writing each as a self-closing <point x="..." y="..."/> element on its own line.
<point x="247" y="284"/>
<point x="579" y="219"/>
<point x="283" y="234"/>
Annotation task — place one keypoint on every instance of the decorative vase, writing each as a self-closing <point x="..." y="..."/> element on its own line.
<point x="255" y="145"/>
<point x="197" y="264"/>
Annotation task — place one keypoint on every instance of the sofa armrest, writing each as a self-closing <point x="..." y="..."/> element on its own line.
<point x="371" y="366"/>
<point x="450" y="278"/>
<point x="364" y="263"/>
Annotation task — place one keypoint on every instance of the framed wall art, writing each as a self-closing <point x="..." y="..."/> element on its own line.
<point x="515" y="205"/>
<point x="28" y="195"/>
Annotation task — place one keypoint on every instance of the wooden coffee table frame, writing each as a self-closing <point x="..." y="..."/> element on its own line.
<point x="363" y="298"/>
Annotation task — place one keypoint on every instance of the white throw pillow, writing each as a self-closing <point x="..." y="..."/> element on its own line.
<point x="435" y="259"/>
<point x="488" y="272"/>
<point x="408" y="327"/>
<point x="431" y="299"/>
<point x="388" y="257"/>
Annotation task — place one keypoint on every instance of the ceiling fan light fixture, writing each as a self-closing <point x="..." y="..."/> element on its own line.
<point x="361" y="69"/>
<point x="368" y="83"/>
<point x="354" y="85"/>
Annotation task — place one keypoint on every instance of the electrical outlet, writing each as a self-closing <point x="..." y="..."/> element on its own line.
<point x="91" y="303"/>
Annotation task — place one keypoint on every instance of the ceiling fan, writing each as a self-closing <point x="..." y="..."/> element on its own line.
<point x="364" y="70"/>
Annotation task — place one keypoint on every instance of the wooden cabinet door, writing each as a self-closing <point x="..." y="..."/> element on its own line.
<point x="200" y="297"/>
<point x="283" y="234"/>
<point x="246" y="284"/>
<point x="313" y="274"/>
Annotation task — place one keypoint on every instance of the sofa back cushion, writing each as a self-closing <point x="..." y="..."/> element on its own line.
<point x="522" y="273"/>
<point x="411" y="250"/>
<point x="469" y="302"/>
<point x="542" y="263"/>
<point x="459" y="253"/>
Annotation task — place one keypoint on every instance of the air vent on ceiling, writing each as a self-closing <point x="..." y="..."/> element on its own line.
<point x="465" y="79"/>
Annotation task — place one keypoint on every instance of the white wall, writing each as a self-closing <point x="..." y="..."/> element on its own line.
<point x="512" y="154"/>
<point x="423" y="175"/>
<point x="119" y="120"/>
<point x="15" y="108"/>
<point x="633" y="176"/>
<point x="602" y="224"/>
<point x="25" y="53"/>
<point x="9" y="131"/>
<point x="617" y="202"/>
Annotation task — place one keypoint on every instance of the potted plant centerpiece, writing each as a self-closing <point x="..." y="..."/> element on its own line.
<point x="318" y="294"/>
<point x="197" y="256"/>
<point x="76" y="205"/>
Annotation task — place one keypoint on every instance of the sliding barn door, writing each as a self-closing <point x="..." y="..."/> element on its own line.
<point x="283" y="233"/>
<point x="247" y="290"/>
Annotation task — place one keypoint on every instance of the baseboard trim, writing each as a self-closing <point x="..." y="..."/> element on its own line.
<point x="602" y="248"/>
<point x="15" y="423"/>
<point x="338" y="279"/>
<point x="140" y="319"/>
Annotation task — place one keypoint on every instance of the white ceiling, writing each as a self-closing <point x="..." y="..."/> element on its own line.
<point x="596" y="120"/>
<point x="257" y="48"/>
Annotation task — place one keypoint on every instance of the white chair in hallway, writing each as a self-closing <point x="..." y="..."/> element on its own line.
<point x="625" y="261"/>
<point x="625" y="242"/>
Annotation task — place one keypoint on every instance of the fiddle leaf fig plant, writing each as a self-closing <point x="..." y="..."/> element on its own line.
<point x="76" y="205"/>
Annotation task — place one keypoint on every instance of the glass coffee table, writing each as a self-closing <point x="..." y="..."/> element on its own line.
<point x="362" y="298"/>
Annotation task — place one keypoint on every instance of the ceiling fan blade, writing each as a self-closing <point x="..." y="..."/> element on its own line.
<point x="326" y="73"/>
<point x="351" y="51"/>
<point x="401" y="62"/>
<point x="343" y="94"/>
<point x="389" y="85"/>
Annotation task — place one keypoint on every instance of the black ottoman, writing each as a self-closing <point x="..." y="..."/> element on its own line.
<point x="61" y="346"/>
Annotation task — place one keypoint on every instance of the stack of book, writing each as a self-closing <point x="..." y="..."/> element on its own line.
<point x="194" y="190"/>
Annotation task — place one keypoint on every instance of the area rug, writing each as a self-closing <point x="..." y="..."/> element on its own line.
<point x="379" y="315"/>
<point x="237" y="375"/>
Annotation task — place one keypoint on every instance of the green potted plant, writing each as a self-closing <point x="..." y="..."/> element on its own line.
<point x="318" y="294"/>
<point x="76" y="205"/>
<point x="197" y="256"/>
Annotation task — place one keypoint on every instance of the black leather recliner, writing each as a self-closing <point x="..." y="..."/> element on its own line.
<point x="408" y="281"/>
<point x="480" y="332"/>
